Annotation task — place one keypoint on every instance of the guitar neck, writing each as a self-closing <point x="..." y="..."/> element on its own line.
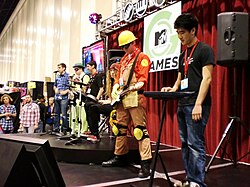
<point x="124" y="92"/>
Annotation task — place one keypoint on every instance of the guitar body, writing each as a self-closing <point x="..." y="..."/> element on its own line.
<point x="121" y="94"/>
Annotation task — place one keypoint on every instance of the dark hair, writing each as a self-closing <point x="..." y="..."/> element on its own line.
<point x="186" y="21"/>
<point x="40" y="96"/>
<point x="63" y="65"/>
<point x="93" y="63"/>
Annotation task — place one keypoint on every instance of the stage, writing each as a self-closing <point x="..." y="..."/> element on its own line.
<point x="79" y="164"/>
<point x="83" y="151"/>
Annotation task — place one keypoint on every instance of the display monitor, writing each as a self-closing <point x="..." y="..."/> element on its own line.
<point x="94" y="52"/>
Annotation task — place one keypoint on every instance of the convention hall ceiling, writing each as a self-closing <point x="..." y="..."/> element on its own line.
<point x="6" y="9"/>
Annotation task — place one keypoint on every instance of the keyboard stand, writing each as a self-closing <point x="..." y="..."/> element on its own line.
<point x="164" y="96"/>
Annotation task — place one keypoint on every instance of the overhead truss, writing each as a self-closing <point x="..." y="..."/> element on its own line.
<point x="116" y="21"/>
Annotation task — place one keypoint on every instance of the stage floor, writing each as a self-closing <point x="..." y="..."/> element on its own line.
<point x="222" y="173"/>
<point x="80" y="165"/>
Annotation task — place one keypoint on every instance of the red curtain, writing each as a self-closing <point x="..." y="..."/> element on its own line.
<point x="229" y="89"/>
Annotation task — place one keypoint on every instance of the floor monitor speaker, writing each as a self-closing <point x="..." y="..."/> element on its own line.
<point x="27" y="161"/>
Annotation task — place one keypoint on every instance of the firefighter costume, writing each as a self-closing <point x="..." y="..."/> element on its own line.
<point x="133" y="105"/>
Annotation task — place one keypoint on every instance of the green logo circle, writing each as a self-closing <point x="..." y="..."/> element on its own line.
<point x="152" y="47"/>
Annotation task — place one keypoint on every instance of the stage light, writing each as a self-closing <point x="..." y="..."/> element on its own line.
<point x="95" y="18"/>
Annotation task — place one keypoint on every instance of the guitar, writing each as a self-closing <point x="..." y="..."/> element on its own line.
<point x="119" y="97"/>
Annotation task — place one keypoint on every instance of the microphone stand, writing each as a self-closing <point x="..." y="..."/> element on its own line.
<point x="77" y="139"/>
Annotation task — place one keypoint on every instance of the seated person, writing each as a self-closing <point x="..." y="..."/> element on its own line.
<point x="94" y="93"/>
<point x="102" y="106"/>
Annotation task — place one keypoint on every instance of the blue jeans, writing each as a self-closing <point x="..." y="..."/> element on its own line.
<point x="61" y="107"/>
<point x="40" y="127"/>
<point x="193" y="142"/>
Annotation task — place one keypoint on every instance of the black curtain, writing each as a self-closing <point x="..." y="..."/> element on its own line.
<point x="50" y="90"/>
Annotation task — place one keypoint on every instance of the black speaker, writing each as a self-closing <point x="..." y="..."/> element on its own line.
<point x="38" y="90"/>
<point x="114" y="55"/>
<point x="16" y="170"/>
<point x="50" y="89"/>
<point x="232" y="38"/>
<point x="27" y="161"/>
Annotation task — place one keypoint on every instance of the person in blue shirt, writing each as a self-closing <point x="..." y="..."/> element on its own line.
<point x="61" y="88"/>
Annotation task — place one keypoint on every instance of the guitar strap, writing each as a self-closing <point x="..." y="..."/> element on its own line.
<point x="131" y="72"/>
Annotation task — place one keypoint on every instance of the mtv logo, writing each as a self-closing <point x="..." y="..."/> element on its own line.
<point x="161" y="37"/>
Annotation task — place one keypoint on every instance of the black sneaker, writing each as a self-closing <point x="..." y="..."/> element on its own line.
<point x="117" y="161"/>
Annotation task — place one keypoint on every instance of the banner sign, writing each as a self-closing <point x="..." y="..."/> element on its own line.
<point x="161" y="41"/>
<point x="128" y="12"/>
<point x="139" y="8"/>
<point x="158" y="3"/>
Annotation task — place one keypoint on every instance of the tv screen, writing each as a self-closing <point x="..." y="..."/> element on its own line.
<point x="94" y="52"/>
